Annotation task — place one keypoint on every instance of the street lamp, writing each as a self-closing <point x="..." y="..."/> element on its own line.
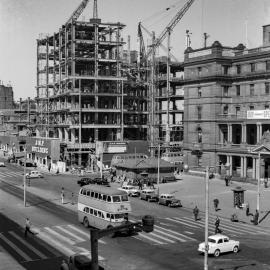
<point x="206" y="218"/>
<point x="24" y="173"/>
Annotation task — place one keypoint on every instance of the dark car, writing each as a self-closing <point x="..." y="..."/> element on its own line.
<point x="85" y="181"/>
<point x="101" y="181"/>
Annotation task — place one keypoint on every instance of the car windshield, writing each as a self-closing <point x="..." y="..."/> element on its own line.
<point x="210" y="240"/>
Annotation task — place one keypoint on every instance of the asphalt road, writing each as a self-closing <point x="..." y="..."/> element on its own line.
<point x="173" y="244"/>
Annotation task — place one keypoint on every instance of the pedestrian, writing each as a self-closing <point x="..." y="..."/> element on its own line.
<point x="217" y="223"/>
<point x="256" y="217"/>
<point x="247" y="209"/>
<point x="265" y="182"/>
<point x="62" y="195"/>
<point x="64" y="265"/>
<point x="72" y="198"/>
<point x="196" y="213"/>
<point x="216" y="202"/>
<point x="226" y="180"/>
<point x="27" y="227"/>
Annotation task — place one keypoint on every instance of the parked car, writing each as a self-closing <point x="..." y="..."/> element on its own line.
<point x="218" y="244"/>
<point x="80" y="261"/>
<point x="85" y="181"/>
<point x="34" y="174"/>
<point x="101" y="181"/>
<point x="2" y="164"/>
<point x="169" y="200"/>
<point x="149" y="195"/>
<point x="130" y="190"/>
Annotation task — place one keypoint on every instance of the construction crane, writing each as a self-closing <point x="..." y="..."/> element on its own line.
<point x="179" y="15"/>
<point x="77" y="12"/>
<point x="140" y="26"/>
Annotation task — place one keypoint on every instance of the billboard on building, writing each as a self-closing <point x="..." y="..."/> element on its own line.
<point x="258" y="114"/>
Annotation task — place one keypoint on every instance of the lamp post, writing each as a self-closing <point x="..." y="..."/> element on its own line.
<point x="206" y="218"/>
<point x="258" y="184"/>
<point x="24" y="173"/>
<point x="158" y="176"/>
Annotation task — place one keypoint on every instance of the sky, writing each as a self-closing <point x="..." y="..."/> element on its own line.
<point x="21" y="21"/>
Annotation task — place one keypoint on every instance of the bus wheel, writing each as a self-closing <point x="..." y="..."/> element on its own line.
<point x="85" y="222"/>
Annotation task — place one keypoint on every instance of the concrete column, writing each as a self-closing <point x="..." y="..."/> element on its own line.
<point x="60" y="134"/>
<point x="229" y="133"/>
<point x="66" y="134"/>
<point x="254" y="169"/>
<point x="245" y="167"/>
<point x="242" y="167"/>
<point x="259" y="131"/>
<point x="244" y="133"/>
<point x="229" y="161"/>
<point x="73" y="139"/>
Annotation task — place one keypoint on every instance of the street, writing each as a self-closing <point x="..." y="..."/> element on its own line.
<point x="172" y="245"/>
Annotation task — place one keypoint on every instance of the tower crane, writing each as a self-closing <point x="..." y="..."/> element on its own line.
<point x="77" y="12"/>
<point x="179" y="15"/>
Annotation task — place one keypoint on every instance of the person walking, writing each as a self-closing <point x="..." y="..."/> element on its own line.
<point x="64" y="265"/>
<point x="62" y="195"/>
<point x="247" y="209"/>
<point x="196" y="213"/>
<point x="216" y="202"/>
<point x="217" y="223"/>
<point x="227" y="180"/>
<point x="256" y="217"/>
<point x="27" y="227"/>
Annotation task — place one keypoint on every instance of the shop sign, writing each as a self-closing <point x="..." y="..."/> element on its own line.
<point x="39" y="147"/>
<point x="258" y="114"/>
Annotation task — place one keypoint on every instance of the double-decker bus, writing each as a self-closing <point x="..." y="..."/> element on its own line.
<point x="102" y="207"/>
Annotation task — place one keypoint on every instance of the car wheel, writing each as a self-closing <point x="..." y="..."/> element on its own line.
<point x="85" y="222"/>
<point x="235" y="249"/>
<point x="217" y="253"/>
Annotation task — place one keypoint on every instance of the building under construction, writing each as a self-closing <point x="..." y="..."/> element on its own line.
<point x="80" y="85"/>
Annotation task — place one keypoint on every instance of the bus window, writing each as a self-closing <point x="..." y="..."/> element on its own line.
<point x="86" y="209"/>
<point x="105" y="198"/>
<point x="84" y="192"/>
<point x="92" y="194"/>
<point x="116" y="199"/>
<point x="91" y="211"/>
<point x="99" y="214"/>
<point x="95" y="212"/>
<point x="109" y="199"/>
<point x="102" y="215"/>
<point x="112" y="216"/>
<point x="88" y="193"/>
<point x="96" y="195"/>
<point x="108" y="215"/>
<point x="100" y="196"/>
<point x="118" y="216"/>
<point x="124" y="198"/>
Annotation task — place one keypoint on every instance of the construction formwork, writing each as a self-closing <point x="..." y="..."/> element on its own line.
<point x="80" y="86"/>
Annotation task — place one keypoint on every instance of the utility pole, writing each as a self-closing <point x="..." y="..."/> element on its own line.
<point x="24" y="178"/>
<point x="259" y="182"/>
<point x="158" y="176"/>
<point x="206" y="218"/>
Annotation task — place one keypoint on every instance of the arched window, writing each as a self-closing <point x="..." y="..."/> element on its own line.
<point x="199" y="130"/>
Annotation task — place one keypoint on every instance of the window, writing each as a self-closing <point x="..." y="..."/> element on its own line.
<point x="238" y="69"/>
<point x="199" y="109"/>
<point x="225" y="109"/>
<point x="88" y="193"/>
<point x="219" y="241"/>
<point x="238" y="90"/>
<point x="116" y="199"/>
<point x="100" y="196"/>
<point x="251" y="108"/>
<point x="86" y="209"/>
<point x="91" y="211"/>
<point x="225" y="70"/>
<point x="225" y="91"/>
<point x="267" y="88"/>
<point x="252" y="67"/>
<point x="95" y="212"/>
<point x="199" y="92"/>
<point x="267" y="65"/>
<point x="96" y="195"/>
<point x="226" y="240"/>
<point x="199" y="135"/>
<point x="251" y="89"/>
<point x="266" y="107"/>
<point x="237" y="110"/>
<point x="199" y="71"/>
<point x="92" y="194"/>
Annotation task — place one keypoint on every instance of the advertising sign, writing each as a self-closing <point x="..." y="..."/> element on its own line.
<point x="258" y="114"/>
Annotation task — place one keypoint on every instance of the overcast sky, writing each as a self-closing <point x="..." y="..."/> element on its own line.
<point x="21" y="21"/>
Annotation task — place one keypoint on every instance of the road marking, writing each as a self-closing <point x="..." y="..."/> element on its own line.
<point x="184" y="223"/>
<point x="60" y="246"/>
<point x="17" y="249"/>
<point x="60" y="236"/>
<point x="84" y="233"/>
<point x="40" y="254"/>
<point x="177" y="233"/>
<point x="171" y="236"/>
<point x="88" y="253"/>
<point x="77" y="238"/>
<point x="188" y="232"/>
<point x="161" y="237"/>
<point x="151" y="239"/>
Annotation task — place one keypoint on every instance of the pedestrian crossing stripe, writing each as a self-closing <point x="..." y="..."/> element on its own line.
<point x="31" y="247"/>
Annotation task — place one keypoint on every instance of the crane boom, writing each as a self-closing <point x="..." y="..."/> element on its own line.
<point x="171" y="25"/>
<point x="77" y="12"/>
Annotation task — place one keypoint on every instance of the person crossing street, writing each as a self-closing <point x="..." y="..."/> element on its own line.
<point x="196" y="213"/>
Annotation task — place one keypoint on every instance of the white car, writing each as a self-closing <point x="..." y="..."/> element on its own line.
<point x="2" y="164"/>
<point x="34" y="174"/>
<point x="130" y="190"/>
<point x="219" y="243"/>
